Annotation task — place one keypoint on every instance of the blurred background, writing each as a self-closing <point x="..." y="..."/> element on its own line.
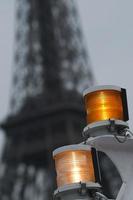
<point x="89" y="40"/>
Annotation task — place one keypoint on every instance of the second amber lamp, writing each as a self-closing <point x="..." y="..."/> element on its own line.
<point x="74" y="164"/>
<point x="104" y="103"/>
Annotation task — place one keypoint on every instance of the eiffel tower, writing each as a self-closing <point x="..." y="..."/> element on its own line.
<point x="51" y="69"/>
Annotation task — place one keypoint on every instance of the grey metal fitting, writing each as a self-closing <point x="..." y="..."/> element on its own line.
<point x="77" y="191"/>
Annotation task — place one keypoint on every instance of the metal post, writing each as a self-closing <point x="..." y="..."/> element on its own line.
<point x="118" y="146"/>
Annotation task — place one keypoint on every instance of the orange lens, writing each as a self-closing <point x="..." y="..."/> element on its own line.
<point x="73" y="167"/>
<point x="103" y="105"/>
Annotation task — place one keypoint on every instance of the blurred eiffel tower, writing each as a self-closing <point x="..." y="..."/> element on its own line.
<point x="51" y="70"/>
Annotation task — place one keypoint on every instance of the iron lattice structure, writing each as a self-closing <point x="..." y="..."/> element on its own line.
<point x="50" y="54"/>
<point x="51" y="70"/>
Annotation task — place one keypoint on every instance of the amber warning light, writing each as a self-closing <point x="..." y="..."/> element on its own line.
<point x="73" y="164"/>
<point x="106" y="102"/>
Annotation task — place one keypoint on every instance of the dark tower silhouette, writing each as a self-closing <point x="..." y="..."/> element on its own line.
<point x="51" y="69"/>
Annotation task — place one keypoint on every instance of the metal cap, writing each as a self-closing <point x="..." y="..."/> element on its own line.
<point x="71" y="147"/>
<point x="101" y="87"/>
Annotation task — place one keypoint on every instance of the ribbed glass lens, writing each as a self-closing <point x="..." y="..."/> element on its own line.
<point x="103" y="105"/>
<point x="73" y="167"/>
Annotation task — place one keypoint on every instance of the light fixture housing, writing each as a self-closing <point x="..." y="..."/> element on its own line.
<point x="74" y="164"/>
<point x="106" y="102"/>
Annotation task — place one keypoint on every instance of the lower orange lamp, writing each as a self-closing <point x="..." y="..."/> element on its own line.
<point x="73" y="164"/>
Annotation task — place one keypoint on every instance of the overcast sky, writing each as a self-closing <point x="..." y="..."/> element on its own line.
<point x="108" y="31"/>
